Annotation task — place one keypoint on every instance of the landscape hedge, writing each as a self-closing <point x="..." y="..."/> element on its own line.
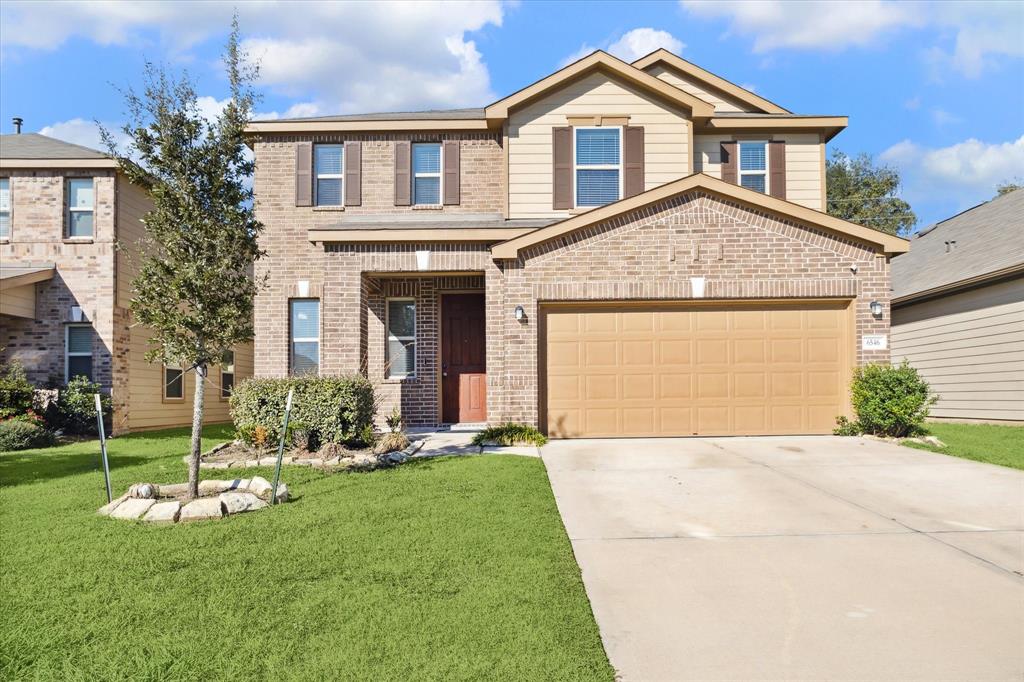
<point x="327" y="409"/>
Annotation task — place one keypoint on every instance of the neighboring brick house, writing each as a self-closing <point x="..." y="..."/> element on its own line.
<point x="616" y="249"/>
<point x="65" y="285"/>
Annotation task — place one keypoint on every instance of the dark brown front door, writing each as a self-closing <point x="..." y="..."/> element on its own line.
<point x="463" y="359"/>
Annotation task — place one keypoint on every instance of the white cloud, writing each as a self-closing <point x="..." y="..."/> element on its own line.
<point x="966" y="172"/>
<point x="632" y="45"/>
<point x="337" y="57"/>
<point x="983" y="30"/>
<point x="941" y="117"/>
<point x="80" y="131"/>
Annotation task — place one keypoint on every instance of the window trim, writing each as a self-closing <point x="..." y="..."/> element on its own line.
<point x="223" y="371"/>
<point x="69" y="210"/>
<point x="739" y="165"/>
<point x="292" y="339"/>
<point x="329" y="176"/>
<point x="620" y="166"/>
<point x="69" y="354"/>
<point x="388" y="374"/>
<point x="165" y="383"/>
<point x="10" y="210"/>
<point x="439" y="175"/>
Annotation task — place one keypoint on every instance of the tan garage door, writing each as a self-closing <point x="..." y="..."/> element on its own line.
<point x="754" y="369"/>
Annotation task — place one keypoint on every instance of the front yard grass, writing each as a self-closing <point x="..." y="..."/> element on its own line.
<point x="992" y="443"/>
<point x="455" y="568"/>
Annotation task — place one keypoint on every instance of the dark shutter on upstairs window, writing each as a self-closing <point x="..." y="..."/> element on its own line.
<point x="777" y="168"/>
<point x="728" y="156"/>
<point x="353" y="174"/>
<point x="303" y="173"/>
<point x="561" y="171"/>
<point x="403" y="174"/>
<point x="633" y="153"/>
<point x="450" y="156"/>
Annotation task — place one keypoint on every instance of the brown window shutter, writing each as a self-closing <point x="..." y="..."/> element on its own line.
<point x="450" y="157"/>
<point x="303" y="173"/>
<point x="777" y="168"/>
<point x="561" y="156"/>
<point x="728" y="155"/>
<point x="633" y="151"/>
<point x="403" y="173"/>
<point x="353" y="173"/>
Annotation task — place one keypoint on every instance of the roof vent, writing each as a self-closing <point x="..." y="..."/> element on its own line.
<point x="17" y="120"/>
<point x="950" y="246"/>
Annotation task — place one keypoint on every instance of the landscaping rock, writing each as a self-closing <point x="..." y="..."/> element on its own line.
<point x="163" y="512"/>
<point x="213" y="487"/>
<point x="216" y="465"/>
<point x="932" y="440"/>
<point x="202" y="509"/>
<point x="236" y="503"/>
<point x="106" y="509"/>
<point x="252" y="463"/>
<point x="142" y="491"/>
<point x="239" y="485"/>
<point x="268" y="461"/>
<point x="260" y="487"/>
<point x="173" y="490"/>
<point x="396" y="457"/>
<point x="132" y="508"/>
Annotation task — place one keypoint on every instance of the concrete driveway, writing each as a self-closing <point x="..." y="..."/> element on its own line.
<point x="814" y="558"/>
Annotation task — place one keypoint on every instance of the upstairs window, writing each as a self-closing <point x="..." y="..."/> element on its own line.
<point x="227" y="375"/>
<point x="78" y="352"/>
<point x="598" y="157"/>
<point x="330" y="170"/>
<point x="754" y="166"/>
<point x="81" y="204"/>
<point x="426" y="173"/>
<point x="401" y="350"/>
<point x="5" y="208"/>
<point x="305" y="331"/>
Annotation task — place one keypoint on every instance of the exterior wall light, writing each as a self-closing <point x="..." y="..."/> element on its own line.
<point x="876" y="308"/>
<point x="520" y="313"/>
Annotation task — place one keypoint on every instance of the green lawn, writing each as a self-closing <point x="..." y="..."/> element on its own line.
<point x="454" y="568"/>
<point x="981" y="442"/>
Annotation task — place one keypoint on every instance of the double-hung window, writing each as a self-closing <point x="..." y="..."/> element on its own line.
<point x="81" y="203"/>
<point x="401" y="349"/>
<point x="305" y="331"/>
<point x="174" y="382"/>
<point x="598" y="155"/>
<point x="78" y="352"/>
<point x="426" y="173"/>
<point x="330" y="174"/>
<point x="227" y="375"/>
<point x="5" y="208"/>
<point x="754" y="165"/>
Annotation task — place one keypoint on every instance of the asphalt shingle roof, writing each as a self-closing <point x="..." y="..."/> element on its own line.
<point x="36" y="146"/>
<point x="988" y="238"/>
<point x="431" y="115"/>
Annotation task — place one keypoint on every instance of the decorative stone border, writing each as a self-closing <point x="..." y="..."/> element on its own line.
<point x="361" y="461"/>
<point x="160" y="504"/>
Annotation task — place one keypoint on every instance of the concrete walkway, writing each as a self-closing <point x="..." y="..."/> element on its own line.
<point x="813" y="558"/>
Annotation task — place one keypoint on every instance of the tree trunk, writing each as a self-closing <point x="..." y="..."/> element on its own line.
<point x="197" y="432"/>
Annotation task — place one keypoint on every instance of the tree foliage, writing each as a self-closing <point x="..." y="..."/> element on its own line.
<point x="194" y="287"/>
<point x="1009" y="186"/>
<point x="866" y="194"/>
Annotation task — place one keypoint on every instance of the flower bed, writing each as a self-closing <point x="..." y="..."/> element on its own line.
<point x="238" y="454"/>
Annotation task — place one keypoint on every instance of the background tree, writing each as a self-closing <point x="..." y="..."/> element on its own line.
<point x="1008" y="186"/>
<point x="194" y="288"/>
<point x="866" y="194"/>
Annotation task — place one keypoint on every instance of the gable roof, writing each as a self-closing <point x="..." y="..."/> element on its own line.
<point x="677" y="63"/>
<point x="599" y="60"/>
<point x="35" y="150"/>
<point x="989" y="242"/>
<point x="756" y="200"/>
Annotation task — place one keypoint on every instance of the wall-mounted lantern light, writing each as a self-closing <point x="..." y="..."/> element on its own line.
<point x="876" y="308"/>
<point x="520" y="313"/>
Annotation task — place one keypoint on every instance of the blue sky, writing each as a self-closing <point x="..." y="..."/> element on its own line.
<point x="933" y="88"/>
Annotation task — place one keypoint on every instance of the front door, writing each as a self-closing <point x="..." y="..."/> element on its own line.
<point x="463" y="359"/>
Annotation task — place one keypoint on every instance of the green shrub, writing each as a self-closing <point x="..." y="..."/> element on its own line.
<point x="74" y="411"/>
<point x="390" y="442"/>
<point x="510" y="434"/>
<point x="22" y="434"/>
<point x="330" y="409"/>
<point x="16" y="393"/>
<point x="845" y="427"/>
<point x="890" y="400"/>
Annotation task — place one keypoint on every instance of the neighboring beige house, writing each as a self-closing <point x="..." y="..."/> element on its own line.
<point x="65" y="287"/>
<point x="958" y="311"/>
<point x="617" y="249"/>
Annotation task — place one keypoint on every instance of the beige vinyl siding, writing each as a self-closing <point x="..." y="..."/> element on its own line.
<point x="666" y="132"/>
<point x="970" y="348"/>
<point x="132" y="205"/>
<point x="19" y="301"/>
<point x="720" y="100"/>
<point x="804" y="180"/>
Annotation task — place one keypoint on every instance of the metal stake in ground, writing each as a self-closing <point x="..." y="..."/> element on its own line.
<point x="103" y="446"/>
<point x="280" y="446"/>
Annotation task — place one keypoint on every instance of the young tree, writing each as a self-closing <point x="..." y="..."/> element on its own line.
<point x="194" y="288"/>
<point x="865" y="194"/>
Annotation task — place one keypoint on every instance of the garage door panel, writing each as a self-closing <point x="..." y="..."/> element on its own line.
<point x="692" y="370"/>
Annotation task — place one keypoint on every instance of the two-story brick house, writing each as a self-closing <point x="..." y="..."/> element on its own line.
<point x="70" y="234"/>
<point x="616" y="249"/>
